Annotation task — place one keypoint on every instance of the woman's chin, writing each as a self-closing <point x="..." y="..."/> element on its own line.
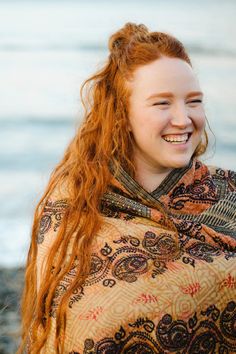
<point x="180" y="162"/>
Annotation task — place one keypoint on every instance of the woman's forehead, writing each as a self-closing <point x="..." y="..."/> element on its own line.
<point x="164" y="75"/>
<point x="164" y="68"/>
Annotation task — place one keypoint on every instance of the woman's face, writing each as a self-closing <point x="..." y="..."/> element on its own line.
<point x="166" y="114"/>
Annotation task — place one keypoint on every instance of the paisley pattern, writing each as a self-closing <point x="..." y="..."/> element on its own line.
<point x="51" y="210"/>
<point x="126" y="264"/>
<point x="199" y="190"/>
<point x="153" y="288"/>
<point x="169" y="335"/>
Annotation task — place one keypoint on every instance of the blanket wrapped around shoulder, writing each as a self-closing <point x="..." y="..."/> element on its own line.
<point x="152" y="289"/>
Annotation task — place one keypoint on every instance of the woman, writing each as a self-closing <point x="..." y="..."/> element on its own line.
<point x="133" y="242"/>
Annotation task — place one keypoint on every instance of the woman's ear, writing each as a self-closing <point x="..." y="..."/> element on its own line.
<point x="129" y="126"/>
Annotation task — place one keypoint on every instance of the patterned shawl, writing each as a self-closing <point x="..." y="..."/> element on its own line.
<point x="152" y="289"/>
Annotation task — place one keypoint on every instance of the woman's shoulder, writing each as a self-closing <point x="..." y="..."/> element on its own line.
<point x="224" y="178"/>
<point x="57" y="193"/>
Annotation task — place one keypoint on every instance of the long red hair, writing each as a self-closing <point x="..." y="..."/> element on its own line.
<point x="102" y="138"/>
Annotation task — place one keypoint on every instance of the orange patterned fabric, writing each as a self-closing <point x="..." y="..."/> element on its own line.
<point x="150" y="289"/>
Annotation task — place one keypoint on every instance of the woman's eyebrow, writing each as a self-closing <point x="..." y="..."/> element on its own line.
<point x="170" y="94"/>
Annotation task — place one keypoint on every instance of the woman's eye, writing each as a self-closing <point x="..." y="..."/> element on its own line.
<point x="160" y="103"/>
<point x="195" y="101"/>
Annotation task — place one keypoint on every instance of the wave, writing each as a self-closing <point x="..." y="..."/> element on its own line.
<point x="38" y="121"/>
<point x="52" y="47"/>
<point x="206" y="50"/>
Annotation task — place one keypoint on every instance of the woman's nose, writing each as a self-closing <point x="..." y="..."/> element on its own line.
<point x="180" y="116"/>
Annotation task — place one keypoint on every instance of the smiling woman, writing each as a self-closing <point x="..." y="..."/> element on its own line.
<point x="134" y="240"/>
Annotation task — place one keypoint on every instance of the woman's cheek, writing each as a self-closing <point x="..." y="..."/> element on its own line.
<point x="200" y="118"/>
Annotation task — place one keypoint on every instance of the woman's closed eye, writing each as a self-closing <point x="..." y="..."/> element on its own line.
<point x="195" y="101"/>
<point x="160" y="103"/>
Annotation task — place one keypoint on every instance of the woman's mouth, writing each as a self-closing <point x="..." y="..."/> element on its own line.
<point x="177" y="139"/>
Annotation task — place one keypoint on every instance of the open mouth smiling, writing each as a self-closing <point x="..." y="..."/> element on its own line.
<point x="177" y="138"/>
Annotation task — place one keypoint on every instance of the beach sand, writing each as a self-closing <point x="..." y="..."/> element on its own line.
<point x="11" y="284"/>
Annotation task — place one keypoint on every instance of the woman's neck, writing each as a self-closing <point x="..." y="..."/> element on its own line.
<point x="149" y="177"/>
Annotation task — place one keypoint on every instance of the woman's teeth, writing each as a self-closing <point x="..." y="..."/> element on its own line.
<point x="176" y="139"/>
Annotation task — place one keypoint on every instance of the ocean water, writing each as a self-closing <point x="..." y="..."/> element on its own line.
<point x="48" y="48"/>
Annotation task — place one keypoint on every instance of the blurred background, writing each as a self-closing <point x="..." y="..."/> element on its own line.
<point x="48" y="48"/>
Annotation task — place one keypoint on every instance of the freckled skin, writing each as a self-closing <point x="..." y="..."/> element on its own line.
<point x="149" y="120"/>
